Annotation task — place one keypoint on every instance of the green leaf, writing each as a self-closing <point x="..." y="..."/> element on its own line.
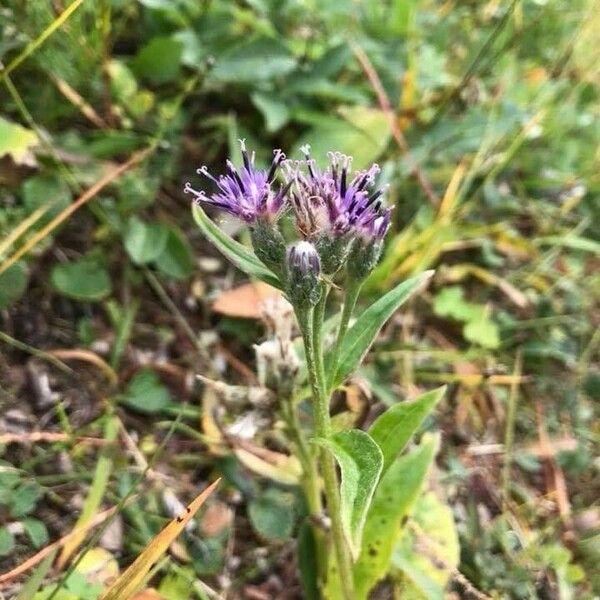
<point x="146" y="394"/>
<point x="259" y="59"/>
<point x="15" y="140"/>
<point x="84" y="279"/>
<point x="307" y="562"/>
<point x="396" y="494"/>
<point x="274" y="111"/>
<point x="272" y="514"/>
<point x="24" y="499"/>
<point x="361" y="132"/>
<point x="450" y="302"/>
<point x="159" y="61"/>
<point x="482" y="330"/>
<point x="7" y="541"/>
<point x="13" y="283"/>
<point x="43" y="189"/>
<point x="392" y="430"/>
<point x="144" y="243"/>
<point x="176" y="259"/>
<point x="426" y="573"/>
<point x="360" y="461"/>
<point x="361" y="335"/>
<point x="37" y="532"/>
<point x="239" y="255"/>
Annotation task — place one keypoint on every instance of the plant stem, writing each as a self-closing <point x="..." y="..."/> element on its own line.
<point x="352" y="291"/>
<point x="314" y="358"/>
<point x="310" y="482"/>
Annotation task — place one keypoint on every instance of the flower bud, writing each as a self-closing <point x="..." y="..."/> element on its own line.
<point x="303" y="272"/>
<point x="333" y="251"/>
<point x="268" y="244"/>
<point x="363" y="258"/>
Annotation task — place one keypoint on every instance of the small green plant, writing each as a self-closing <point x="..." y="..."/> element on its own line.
<point x="338" y="223"/>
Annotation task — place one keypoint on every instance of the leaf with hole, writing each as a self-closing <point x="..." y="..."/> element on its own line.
<point x="238" y="254"/>
<point x="361" y="335"/>
<point x="360" y="461"/>
<point x="393" y="429"/>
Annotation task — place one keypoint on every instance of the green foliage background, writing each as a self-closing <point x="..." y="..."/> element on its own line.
<point x="502" y="98"/>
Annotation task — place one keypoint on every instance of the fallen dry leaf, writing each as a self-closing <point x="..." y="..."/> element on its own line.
<point x="245" y="301"/>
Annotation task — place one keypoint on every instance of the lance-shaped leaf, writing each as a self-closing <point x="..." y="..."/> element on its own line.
<point x="237" y="253"/>
<point x="361" y="335"/>
<point x="129" y="581"/>
<point x="360" y="461"/>
<point x="396" y="494"/>
<point x="392" y="430"/>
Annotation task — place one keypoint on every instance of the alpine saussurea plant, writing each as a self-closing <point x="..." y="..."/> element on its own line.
<point x="340" y="222"/>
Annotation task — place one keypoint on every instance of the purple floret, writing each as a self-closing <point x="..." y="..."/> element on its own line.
<point x="326" y="202"/>
<point x="247" y="193"/>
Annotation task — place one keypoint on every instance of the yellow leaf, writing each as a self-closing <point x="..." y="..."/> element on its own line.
<point x="133" y="577"/>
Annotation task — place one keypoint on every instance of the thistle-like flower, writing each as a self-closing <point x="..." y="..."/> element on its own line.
<point x="303" y="273"/>
<point x="326" y="202"/>
<point x="249" y="194"/>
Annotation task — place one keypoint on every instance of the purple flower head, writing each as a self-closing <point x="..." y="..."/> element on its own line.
<point x="330" y="202"/>
<point x="247" y="193"/>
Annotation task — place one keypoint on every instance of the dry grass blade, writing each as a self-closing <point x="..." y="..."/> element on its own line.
<point x="23" y="226"/>
<point x="384" y="103"/>
<point x="132" y="578"/>
<point x="6" y="578"/>
<point x="35" y="44"/>
<point x="67" y="212"/>
<point x="87" y="356"/>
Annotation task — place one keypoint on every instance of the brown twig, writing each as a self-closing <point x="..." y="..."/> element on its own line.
<point x="384" y="103"/>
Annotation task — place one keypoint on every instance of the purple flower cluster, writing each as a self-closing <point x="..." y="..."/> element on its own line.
<point x="331" y="202"/>
<point x="249" y="193"/>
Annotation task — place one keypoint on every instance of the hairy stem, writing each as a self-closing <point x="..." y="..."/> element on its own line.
<point x="314" y="363"/>
<point x="352" y="291"/>
<point x="310" y="479"/>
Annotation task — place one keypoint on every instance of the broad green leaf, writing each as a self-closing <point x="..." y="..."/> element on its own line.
<point x="482" y="330"/>
<point x="43" y="189"/>
<point x="159" y="61"/>
<point x="450" y="302"/>
<point x="146" y="394"/>
<point x="84" y="279"/>
<point x="360" y="461"/>
<point x="143" y="242"/>
<point x="36" y="531"/>
<point x="15" y="140"/>
<point x="361" y="335"/>
<point x="395" y="497"/>
<point x="426" y="565"/>
<point x="239" y="255"/>
<point x="272" y="514"/>
<point x="275" y="112"/>
<point x="360" y="132"/>
<point x="261" y="58"/>
<point x="392" y="430"/>
<point x="23" y="499"/>
<point x="7" y="542"/>
<point x="13" y="283"/>
<point x="176" y="259"/>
